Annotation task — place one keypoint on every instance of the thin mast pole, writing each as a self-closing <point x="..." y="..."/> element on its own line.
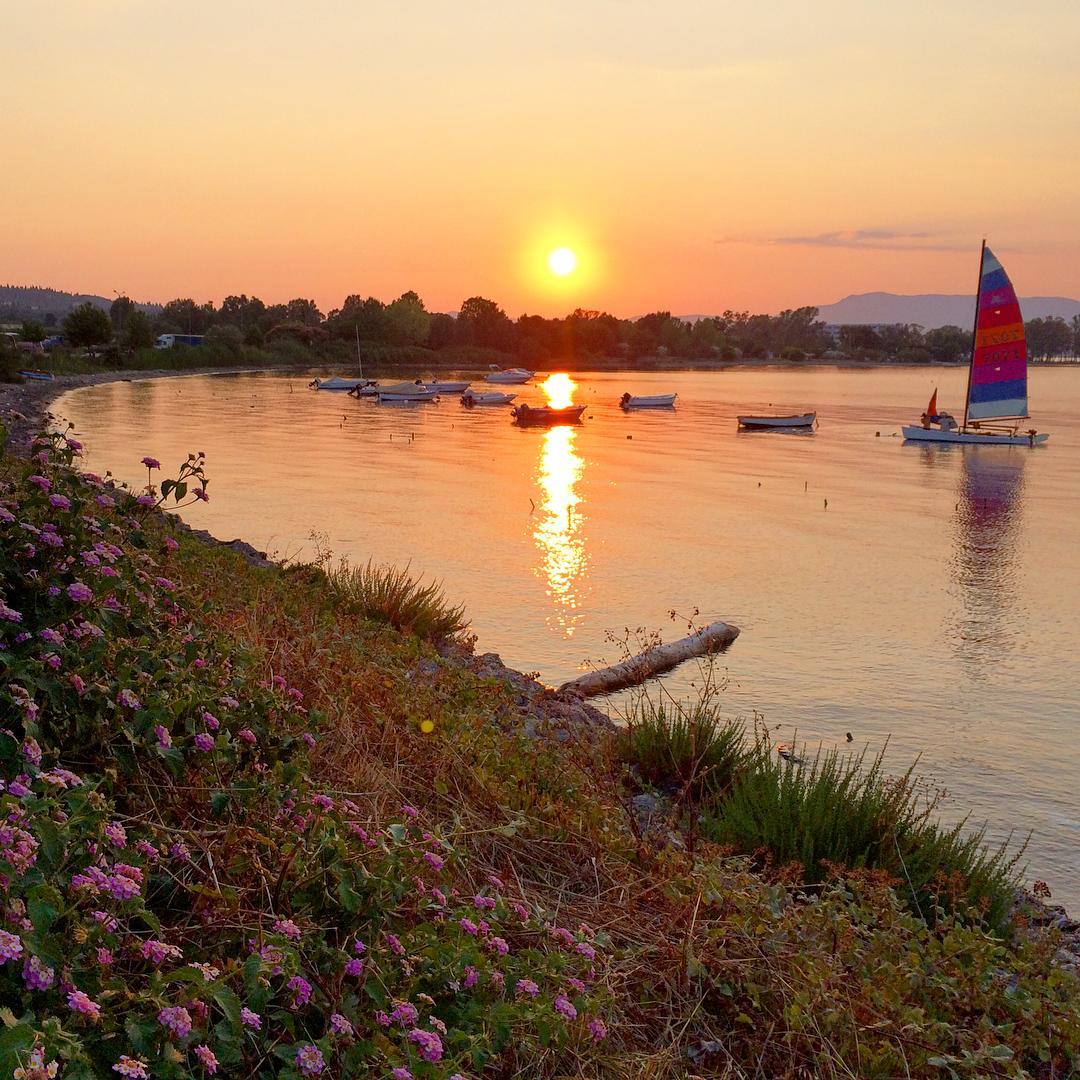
<point x="359" y="358"/>
<point x="974" y="335"/>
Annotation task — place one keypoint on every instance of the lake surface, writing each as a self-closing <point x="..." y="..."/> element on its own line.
<point x="923" y="594"/>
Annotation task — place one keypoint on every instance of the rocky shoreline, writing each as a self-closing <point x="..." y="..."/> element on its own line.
<point x="541" y="712"/>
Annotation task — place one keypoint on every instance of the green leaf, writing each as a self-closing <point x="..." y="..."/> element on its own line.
<point x="229" y="1004"/>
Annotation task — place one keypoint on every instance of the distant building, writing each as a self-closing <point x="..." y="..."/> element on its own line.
<point x="167" y="341"/>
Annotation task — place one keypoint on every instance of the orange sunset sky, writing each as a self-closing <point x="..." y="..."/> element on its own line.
<point x="696" y="156"/>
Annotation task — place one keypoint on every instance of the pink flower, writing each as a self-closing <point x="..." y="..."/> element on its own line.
<point x="36" y="975"/>
<point x="309" y="1060"/>
<point x="597" y="1029"/>
<point x="39" y="481"/>
<point x="60" y="502"/>
<point x="9" y="614"/>
<point x="210" y="720"/>
<point x="127" y="699"/>
<point x="395" y="945"/>
<point x="340" y="1025"/>
<point x="498" y="944"/>
<point x="11" y="947"/>
<point x="80" y="1003"/>
<point x="565" y="1007"/>
<point x="176" y="1019"/>
<point x="471" y="977"/>
<point x="288" y="928"/>
<point x="483" y="902"/>
<point x="79" y="592"/>
<point x="104" y="957"/>
<point x="301" y="989"/>
<point x="116" y="834"/>
<point x="428" y="1043"/>
<point x="324" y="802"/>
<point x="405" y="1012"/>
<point x="151" y="463"/>
<point x="354" y="967"/>
<point x="171" y="544"/>
<point x="586" y="950"/>
<point x="250" y="1019"/>
<point x="401" y="1074"/>
<point x="131" y="1068"/>
<point x="309" y="740"/>
<point x="206" y="1058"/>
<point x="204" y="742"/>
<point x="200" y="493"/>
<point x="246" y="735"/>
<point x="164" y="739"/>
<point x="433" y="860"/>
<point x="410" y="811"/>
<point x="468" y="926"/>
<point x="527" y="986"/>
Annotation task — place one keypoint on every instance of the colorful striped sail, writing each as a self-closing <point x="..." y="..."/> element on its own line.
<point x="998" y="387"/>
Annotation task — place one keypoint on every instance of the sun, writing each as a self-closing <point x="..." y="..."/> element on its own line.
<point x="562" y="261"/>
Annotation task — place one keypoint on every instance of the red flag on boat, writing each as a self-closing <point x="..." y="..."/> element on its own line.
<point x="931" y="409"/>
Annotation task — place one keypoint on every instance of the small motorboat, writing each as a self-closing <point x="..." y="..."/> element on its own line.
<point x="447" y="387"/>
<point x="43" y="376"/>
<point x="545" y="415"/>
<point x="407" y="391"/>
<point x="778" y="423"/>
<point x="369" y="388"/>
<point x="338" y="383"/>
<point x="514" y="376"/>
<point x="486" y="397"/>
<point x="655" y="401"/>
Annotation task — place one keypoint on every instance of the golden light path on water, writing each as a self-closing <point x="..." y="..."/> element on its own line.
<point x="560" y="535"/>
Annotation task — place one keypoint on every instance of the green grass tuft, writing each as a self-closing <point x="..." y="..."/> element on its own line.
<point x="684" y="748"/>
<point x="835" y="811"/>
<point x="391" y="595"/>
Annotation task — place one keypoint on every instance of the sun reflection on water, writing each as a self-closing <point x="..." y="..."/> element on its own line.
<point x="559" y="389"/>
<point x="559" y="534"/>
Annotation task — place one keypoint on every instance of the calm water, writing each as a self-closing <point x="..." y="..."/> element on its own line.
<point x="933" y="600"/>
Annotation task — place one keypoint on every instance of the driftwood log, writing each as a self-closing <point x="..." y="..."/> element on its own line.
<point x="654" y="661"/>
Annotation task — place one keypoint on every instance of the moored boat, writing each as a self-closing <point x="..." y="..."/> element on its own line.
<point x="546" y="416"/>
<point x="336" y="382"/>
<point x="653" y="401"/>
<point x="997" y="396"/>
<point x="447" y="387"/>
<point x="407" y="392"/>
<point x="369" y="388"/>
<point x="43" y="376"/>
<point x="515" y="376"/>
<point x="486" y="397"/>
<point x="778" y="423"/>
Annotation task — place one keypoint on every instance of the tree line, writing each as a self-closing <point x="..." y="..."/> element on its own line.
<point x="480" y="323"/>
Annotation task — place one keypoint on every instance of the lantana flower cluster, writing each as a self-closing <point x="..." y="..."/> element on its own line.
<point x="177" y="896"/>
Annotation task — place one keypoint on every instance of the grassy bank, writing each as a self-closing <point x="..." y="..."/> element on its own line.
<point x="255" y="825"/>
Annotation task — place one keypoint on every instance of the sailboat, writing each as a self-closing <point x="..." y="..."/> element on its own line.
<point x="997" y="374"/>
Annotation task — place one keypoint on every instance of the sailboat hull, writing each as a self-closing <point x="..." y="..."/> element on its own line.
<point x="917" y="433"/>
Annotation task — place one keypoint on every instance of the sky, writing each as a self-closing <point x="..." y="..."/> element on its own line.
<point x="697" y="156"/>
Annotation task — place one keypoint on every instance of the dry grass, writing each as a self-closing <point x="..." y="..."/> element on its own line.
<point x="715" y="970"/>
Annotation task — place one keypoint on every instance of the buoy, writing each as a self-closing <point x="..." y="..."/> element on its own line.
<point x="629" y="436"/>
<point x="826" y="504"/>
<point x="849" y="737"/>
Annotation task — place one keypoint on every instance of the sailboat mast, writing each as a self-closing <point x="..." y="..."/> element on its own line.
<point x="360" y="359"/>
<point x="974" y="335"/>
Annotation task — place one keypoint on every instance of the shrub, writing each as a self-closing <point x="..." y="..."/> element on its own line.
<point x="835" y="812"/>
<point x="177" y="895"/>
<point x="391" y="595"/>
<point x="684" y="749"/>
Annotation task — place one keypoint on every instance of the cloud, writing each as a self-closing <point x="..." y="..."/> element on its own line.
<point x="862" y="240"/>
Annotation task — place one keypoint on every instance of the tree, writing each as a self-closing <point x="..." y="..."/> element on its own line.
<point x="32" y="330"/>
<point x="1048" y="337"/>
<point x="138" y="331"/>
<point x="303" y="311"/>
<point x="1076" y="336"/>
<point x="948" y="343"/>
<point x="120" y="311"/>
<point x="483" y="322"/>
<point x="241" y="312"/>
<point x="407" y="323"/>
<point x="87" y="325"/>
<point x="226" y="340"/>
<point x="187" y="317"/>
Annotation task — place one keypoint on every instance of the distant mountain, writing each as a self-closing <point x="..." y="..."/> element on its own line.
<point x="18" y="302"/>
<point x="932" y="310"/>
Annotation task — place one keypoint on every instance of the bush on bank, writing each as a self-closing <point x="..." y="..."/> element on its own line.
<point x="296" y="835"/>
<point x="179" y="897"/>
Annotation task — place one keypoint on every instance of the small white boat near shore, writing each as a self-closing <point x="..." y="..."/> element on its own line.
<point x="801" y="421"/>
<point x="447" y="387"/>
<point x="486" y="397"/>
<point x="336" y="382"/>
<point x="653" y="401"/>
<point x="513" y="376"/>
<point x="407" y="392"/>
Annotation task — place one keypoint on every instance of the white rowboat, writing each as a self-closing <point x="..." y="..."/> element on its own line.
<point x="655" y="401"/>
<point x="515" y="376"/>
<point x="338" y="383"/>
<point x="489" y="397"/>
<point x="774" y="423"/>
<point x="407" y="392"/>
<point x="447" y="387"/>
